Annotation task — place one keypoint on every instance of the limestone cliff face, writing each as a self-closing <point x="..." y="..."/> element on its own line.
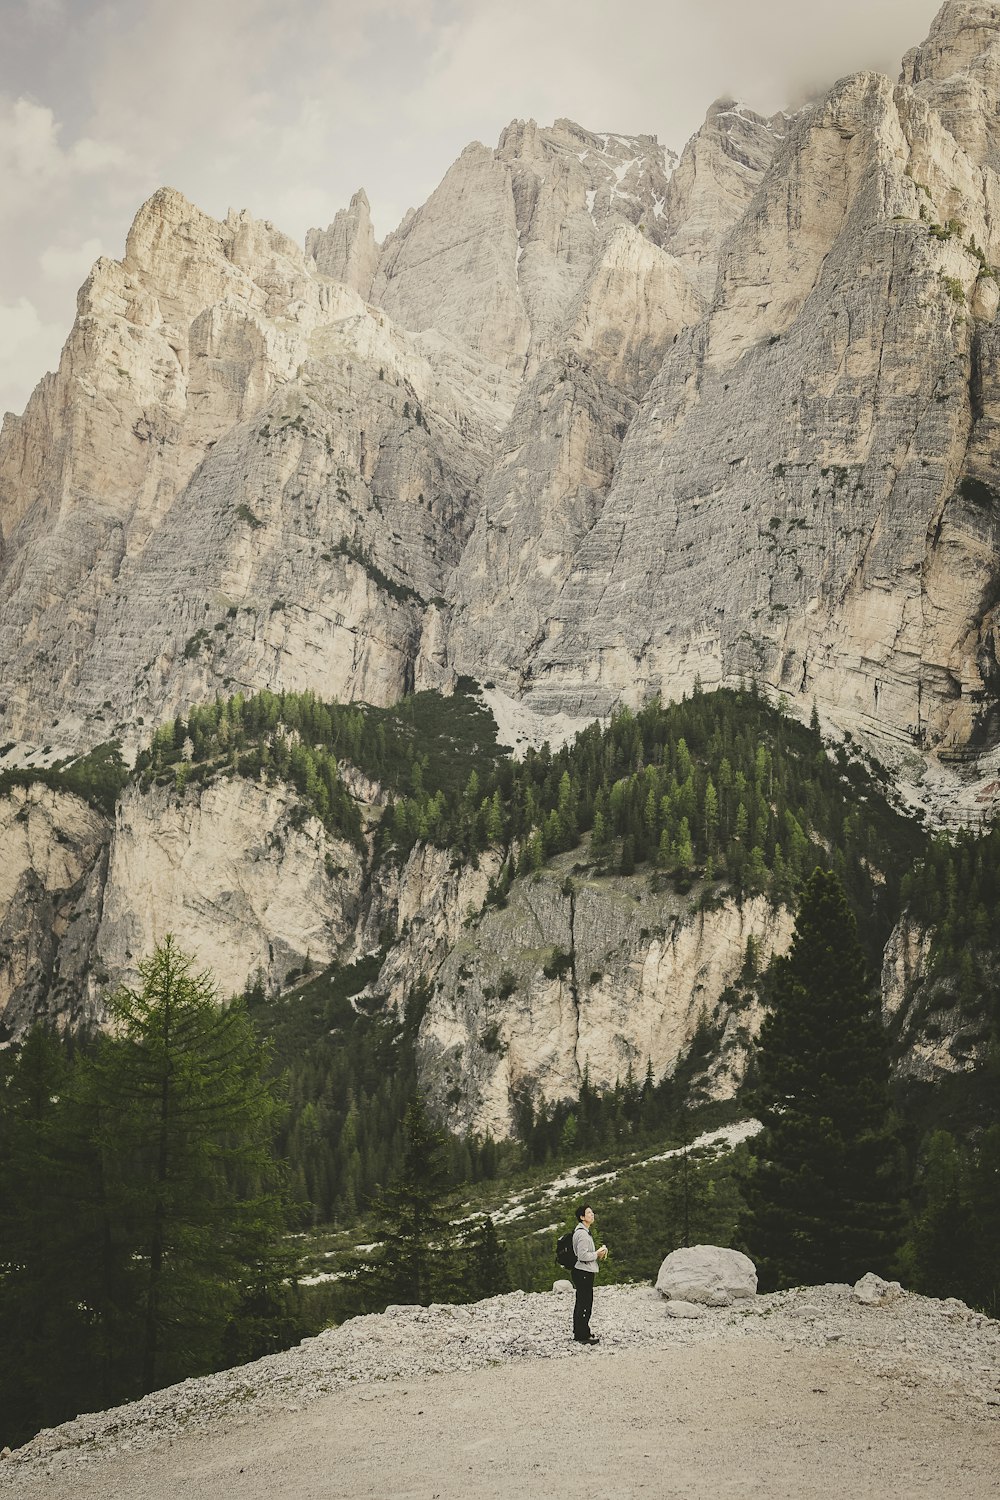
<point x="792" y="497"/>
<point x="499" y="251"/>
<point x="246" y="879"/>
<point x="957" y="70"/>
<point x="453" y="265"/>
<point x="248" y="883"/>
<point x="240" y="476"/>
<point x="420" y="911"/>
<point x="243" y="476"/>
<point x="51" y="882"/>
<point x="591" y="425"/>
<point x="346" y="251"/>
<point x="601" y="427"/>
<point x="171" y="346"/>
<point x="557" y="458"/>
<point x="934" y="1036"/>
<point x="717" y="176"/>
<point x="568" y="975"/>
<point x="576" y="975"/>
<point x="325" y="529"/>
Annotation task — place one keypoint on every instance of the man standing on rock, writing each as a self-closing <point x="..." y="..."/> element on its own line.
<point x="584" y="1274"/>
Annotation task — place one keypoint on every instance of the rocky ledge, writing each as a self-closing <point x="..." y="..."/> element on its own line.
<point x="914" y="1342"/>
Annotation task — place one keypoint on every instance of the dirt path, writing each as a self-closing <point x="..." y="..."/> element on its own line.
<point x="709" y="1420"/>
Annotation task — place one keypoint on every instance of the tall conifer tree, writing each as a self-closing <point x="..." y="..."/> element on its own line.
<point x="140" y="1204"/>
<point x="486" y="1273"/>
<point x="824" y="1200"/>
<point x="184" y="1119"/>
<point x="415" y="1261"/>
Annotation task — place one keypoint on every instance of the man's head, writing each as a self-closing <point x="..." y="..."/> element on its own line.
<point x="585" y="1215"/>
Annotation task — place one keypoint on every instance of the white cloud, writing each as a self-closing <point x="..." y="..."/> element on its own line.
<point x="26" y="343"/>
<point x="89" y="156"/>
<point x="32" y="158"/>
<point x="29" y="149"/>
<point x="654" y="66"/>
<point x="70" y="262"/>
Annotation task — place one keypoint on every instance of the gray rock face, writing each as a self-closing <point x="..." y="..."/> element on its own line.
<point x="713" y="184"/>
<point x="602" y="428"/>
<point x="453" y="265"/>
<point x="578" y="975"/>
<point x="957" y="70"/>
<point x="934" y="1032"/>
<point x="243" y="476"/>
<point x="346" y="251"/>
<point x="557" y="459"/>
<point x="591" y="425"/>
<point x="240" y="476"/>
<point x="781" y="507"/>
<point x="256" y="889"/>
<point x="570" y="975"/>
<point x="51" y="878"/>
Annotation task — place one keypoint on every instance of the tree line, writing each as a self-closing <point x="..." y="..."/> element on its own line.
<point x="426" y="747"/>
<point x="722" y="787"/>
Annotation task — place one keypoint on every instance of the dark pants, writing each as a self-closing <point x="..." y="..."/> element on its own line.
<point x="584" y="1283"/>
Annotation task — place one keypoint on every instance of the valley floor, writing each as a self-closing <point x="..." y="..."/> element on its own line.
<point x="807" y="1393"/>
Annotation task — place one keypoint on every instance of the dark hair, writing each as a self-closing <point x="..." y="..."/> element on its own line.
<point x="582" y="1210"/>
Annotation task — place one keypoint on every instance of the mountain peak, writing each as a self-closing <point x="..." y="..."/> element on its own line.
<point x="957" y="70"/>
<point x="962" y="34"/>
<point x="345" y="250"/>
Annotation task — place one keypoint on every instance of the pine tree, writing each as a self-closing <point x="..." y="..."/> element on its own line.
<point x="823" y="1202"/>
<point x="487" y="1272"/>
<point x="138" y="1208"/>
<point x="43" y="1336"/>
<point x="939" y="1254"/>
<point x="415" y="1259"/>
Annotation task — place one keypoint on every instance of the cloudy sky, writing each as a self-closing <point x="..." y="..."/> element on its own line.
<point x="287" y="108"/>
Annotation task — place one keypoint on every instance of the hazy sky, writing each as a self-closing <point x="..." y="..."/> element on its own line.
<point x="285" y="107"/>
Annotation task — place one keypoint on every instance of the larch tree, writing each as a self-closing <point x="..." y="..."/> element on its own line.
<point x="823" y="1202"/>
<point x="184" y="1121"/>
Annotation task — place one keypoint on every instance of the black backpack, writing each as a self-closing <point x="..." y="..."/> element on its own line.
<point x="565" y="1255"/>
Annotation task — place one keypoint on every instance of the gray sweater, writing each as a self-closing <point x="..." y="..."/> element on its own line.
<point x="583" y="1249"/>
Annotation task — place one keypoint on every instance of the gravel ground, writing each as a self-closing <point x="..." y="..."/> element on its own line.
<point x="797" y="1393"/>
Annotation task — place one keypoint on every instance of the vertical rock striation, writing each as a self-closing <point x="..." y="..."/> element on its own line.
<point x="346" y="251"/>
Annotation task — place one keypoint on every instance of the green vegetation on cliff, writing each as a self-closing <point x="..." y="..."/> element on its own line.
<point x="722" y="787"/>
<point x="423" y="750"/>
<point x="97" y="777"/>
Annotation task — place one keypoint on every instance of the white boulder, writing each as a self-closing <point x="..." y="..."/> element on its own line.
<point x="684" y="1310"/>
<point x="562" y="1286"/>
<point x="872" y="1291"/>
<point x="708" y="1275"/>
